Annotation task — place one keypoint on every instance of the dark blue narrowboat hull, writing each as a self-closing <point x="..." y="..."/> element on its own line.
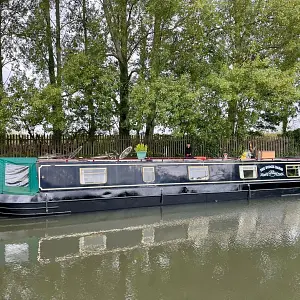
<point x="62" y="189"/>
<point x="60" y="207"/>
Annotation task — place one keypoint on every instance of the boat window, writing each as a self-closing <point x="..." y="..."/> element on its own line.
<point x="93" y="175"/>
<point x="293" y="170"/>
<point x="248" y="172"/>
<point x="198" y="172"/>
<point x="16" y="175"/>
<point x="148" y="174"/>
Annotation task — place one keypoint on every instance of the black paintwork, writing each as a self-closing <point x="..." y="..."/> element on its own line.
<point x="62" y="193"/>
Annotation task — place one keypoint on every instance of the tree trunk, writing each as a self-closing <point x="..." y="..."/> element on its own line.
<point x="57" y="133"/>
<point x="87" y="93"/>
<point x="92" y="115"/>
<point x="155" y="70"/>
<point x="143" y="53"/>
<point x="149" y="125"/>
<point x="57" y="109"/>
<point x="232" y="116"/>
<point x="284" y="125"/>
<point x="124" y="76"/>
<point x="84" y="24"/>
<point x="58" y="43"/>
<point x="50" y="62"/>
<point x="124" y="96"/>
<point x="116" y="18"/>
<point x="92" y="125"/>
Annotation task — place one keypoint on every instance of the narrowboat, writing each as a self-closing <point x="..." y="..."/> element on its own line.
<point x="32" y="187"/>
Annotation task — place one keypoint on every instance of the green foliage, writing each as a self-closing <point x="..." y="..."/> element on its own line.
<point x="141" y="147"/>
<point x="295" y="134"/>
<point x="26" y="109"/>
<point x="90" y="90"/>
<point x="204" y="68"/>
<point x="253" y="91"/>
<point x="5" y="111"/>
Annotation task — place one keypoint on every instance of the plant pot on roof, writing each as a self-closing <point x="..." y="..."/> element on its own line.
<point x="141" y="151"/>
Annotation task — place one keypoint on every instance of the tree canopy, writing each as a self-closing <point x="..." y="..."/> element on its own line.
<point x="201" y="67"/>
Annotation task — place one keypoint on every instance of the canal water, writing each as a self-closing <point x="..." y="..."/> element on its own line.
<point x="234" y="250"/>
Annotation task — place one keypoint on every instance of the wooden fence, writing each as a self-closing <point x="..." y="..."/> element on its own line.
<point x="159" y="146"/>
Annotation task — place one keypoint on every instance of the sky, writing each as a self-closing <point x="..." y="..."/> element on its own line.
<point x="6" y="73"/>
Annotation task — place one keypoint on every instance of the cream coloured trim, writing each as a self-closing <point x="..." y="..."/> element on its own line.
<point x="198" y="167"/>
<point x="153" y="171"/>
<point x="248" y="168"/>
<point x="170" y="184"/>
<point x="286" y="170"/>
<point x="39" y="174"/>
<point x="82" y="171"/>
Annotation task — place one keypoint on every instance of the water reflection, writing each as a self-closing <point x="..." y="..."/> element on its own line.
<point x="214" y="251"/>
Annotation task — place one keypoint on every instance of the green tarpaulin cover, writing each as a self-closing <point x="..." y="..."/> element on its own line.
<point x="18" y="175"/>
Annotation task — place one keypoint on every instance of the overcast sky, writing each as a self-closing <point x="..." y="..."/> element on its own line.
<point x="6" y="72"/>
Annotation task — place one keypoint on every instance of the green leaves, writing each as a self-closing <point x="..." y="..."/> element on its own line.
<point x="90" y="92"/>
<point x="23" y="104"/>
<point x="207" y="68"/>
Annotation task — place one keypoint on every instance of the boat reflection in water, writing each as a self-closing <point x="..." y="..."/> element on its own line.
<point x="218" y="251"/>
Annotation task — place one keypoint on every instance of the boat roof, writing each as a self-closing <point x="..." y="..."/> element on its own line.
<point x="166" y="160"/>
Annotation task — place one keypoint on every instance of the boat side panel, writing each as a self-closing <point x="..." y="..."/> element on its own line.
<point x="68" y="176"/>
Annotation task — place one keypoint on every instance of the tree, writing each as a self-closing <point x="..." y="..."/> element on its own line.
<point x="156" y="29"/>
<point x="26" y="107"/>
<point x="89" y="77"/>
<point x="12" y="12"/>
<point x="8" y="11"/>
<point x="229" y="50"/>
<point x="90" y="90"/>
<point x="202" y="67"/>
<point x="41" y="43"/>
<point x="256" y="90"/>
<point x="283" y="42"/>
<point x="122" y="23"/>
<point x="119" y="19"/>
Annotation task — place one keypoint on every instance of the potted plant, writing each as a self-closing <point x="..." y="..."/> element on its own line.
<point x="141" y="150"/>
